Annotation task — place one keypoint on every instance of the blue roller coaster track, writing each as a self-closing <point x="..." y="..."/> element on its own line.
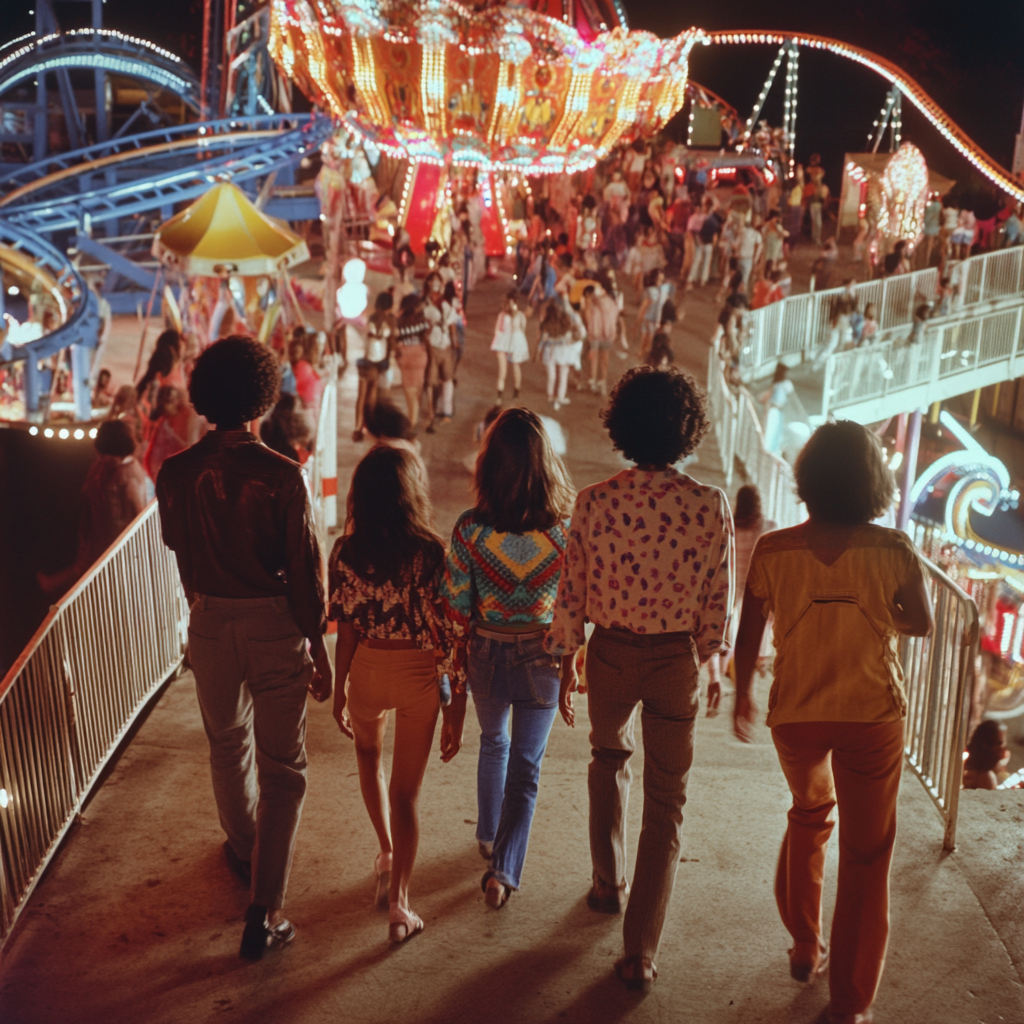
<point x="97" y="49"/>
<point x="152" y="172"/>
<point x="190" y="165"/>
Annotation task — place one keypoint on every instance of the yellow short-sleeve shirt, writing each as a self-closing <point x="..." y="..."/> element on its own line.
<point x="835" y="642"/>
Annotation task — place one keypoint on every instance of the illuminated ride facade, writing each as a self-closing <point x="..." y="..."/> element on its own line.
<point x="492" y="88"/>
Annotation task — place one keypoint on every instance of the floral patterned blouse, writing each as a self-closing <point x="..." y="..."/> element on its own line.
<point x="411" y="609"/>
<point x="651" y="552"/>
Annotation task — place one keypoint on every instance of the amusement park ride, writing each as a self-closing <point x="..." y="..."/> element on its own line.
<point x="477" y="93"/>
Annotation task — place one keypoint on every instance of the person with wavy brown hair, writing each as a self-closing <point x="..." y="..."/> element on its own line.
<point x="841" y="591"/>
<point x="385" y="580"/>
<point x="500" y="582"/>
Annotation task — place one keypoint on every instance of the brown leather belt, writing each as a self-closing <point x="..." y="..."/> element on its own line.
<point x="492" y="634"/>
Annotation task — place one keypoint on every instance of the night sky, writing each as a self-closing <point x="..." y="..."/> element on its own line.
<point x="968" y="55"/>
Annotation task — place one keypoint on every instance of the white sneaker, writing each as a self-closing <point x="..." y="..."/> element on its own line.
<point x="565" y="401"/>
<point x="555" y="404"/>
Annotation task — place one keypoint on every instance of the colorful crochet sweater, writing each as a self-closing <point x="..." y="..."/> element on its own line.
<point x="502" y="578"/>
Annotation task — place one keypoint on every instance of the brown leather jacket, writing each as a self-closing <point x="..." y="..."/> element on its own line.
<point x="238" y="518"/>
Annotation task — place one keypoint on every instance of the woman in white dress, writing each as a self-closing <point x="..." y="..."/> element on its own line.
<point x="555" y="351"/>
<point x="510" y="344"/>
<point x="775" y="400"/>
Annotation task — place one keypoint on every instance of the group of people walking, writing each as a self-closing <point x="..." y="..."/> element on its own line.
<point x="637" y="570"/>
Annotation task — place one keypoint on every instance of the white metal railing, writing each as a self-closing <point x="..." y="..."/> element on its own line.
<point x="740" y="436"/>
<point x="71" y="697"/>
<point x="799" y="325"/>
<point x="939" y="680"/>
<point x="938" y="669"/>
<point x="971" y="348"/>
<point x="324" y="469"/>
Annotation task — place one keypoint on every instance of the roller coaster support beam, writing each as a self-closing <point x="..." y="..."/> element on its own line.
<point x="118" y="263"/>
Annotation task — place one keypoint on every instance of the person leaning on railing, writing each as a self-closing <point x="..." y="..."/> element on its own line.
<point x="841" y="590"/>
<point x="238" y="518"/>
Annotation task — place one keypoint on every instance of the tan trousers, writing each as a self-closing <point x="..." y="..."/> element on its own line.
<point x="857" y="765"/>
<point x="252" y="671"/>
<point x="658" y="672"/>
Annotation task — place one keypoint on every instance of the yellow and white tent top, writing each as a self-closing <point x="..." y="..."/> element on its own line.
<point x="222" y="234"/>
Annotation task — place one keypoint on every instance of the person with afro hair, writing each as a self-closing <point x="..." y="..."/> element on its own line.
<point x="238" y="519"/>
<point x="650" y="563"/>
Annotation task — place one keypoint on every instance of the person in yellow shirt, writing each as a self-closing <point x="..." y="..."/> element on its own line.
<point x="841" y="590"/>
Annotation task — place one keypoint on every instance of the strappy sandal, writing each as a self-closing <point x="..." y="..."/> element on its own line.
<point x="383" y="876"/>
<point x="404" y="924"/>
<point x="637" y="973"/>
<point x="496" y="893"/>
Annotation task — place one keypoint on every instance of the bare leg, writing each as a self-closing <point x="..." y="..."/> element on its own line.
<point x="360" y="403"/>
<point x="414" y="738"/>
<point x="502" y="370"/>
<point x="602" y="363"/>
<point x="517" y="376"/>
<point x="412" y="401"/>
<point x="369" y="734"/>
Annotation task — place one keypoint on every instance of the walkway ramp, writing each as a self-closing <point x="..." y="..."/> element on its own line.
<point x="979" y="342"/>
<point x="143" y="916"/>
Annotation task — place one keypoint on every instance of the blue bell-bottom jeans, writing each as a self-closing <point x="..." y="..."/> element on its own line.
<point x="510" y="677"/>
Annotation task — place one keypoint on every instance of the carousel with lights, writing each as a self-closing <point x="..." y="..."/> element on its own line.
<point x="473" y="96"/>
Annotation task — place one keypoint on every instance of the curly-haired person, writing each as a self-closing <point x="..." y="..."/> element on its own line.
<point x="237" y="517"/>
<point x="650" y="563"/>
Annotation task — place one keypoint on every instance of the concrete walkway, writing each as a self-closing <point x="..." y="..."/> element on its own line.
<point x="139" y="918"/>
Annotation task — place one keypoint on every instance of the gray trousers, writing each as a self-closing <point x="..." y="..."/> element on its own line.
<point x="659" y="672"/>
<point x="252" y="670"/>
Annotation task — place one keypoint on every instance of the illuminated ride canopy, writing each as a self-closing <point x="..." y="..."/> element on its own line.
<point x="502" y="88"/>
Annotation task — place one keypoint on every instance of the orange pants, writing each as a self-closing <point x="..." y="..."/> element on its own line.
<point x="857" y="765"/>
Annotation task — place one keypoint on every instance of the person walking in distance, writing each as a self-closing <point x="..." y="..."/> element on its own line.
<point x="841" y="590"/>
<point x="413" y="354"/>
<point x="441" y="337"/>
<point x="649" y="562"/>
<point x="510" y="345"/>
<point x="238" y="519"/>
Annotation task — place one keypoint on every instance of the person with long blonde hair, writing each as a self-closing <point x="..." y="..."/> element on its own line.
<point x="385" y="577"/>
